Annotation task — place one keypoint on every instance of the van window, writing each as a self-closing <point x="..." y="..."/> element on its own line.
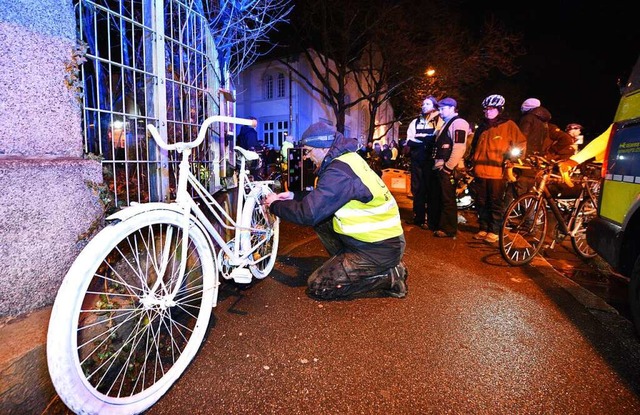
<point x="634" y="80"/>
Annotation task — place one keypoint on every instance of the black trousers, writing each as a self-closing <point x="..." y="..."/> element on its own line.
<point x="425" y="179"/>
<point x="443" y="199"/>
<point x="348" y="272"/>
<point x="490" y="203"/>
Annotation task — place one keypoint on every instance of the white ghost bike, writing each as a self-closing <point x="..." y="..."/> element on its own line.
<point x="134" y="307"/>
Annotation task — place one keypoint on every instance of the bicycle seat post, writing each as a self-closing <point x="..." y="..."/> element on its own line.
<point x="183" y="169"/>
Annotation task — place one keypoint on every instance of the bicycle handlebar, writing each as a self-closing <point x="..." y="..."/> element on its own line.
<point x="201" y="134"/>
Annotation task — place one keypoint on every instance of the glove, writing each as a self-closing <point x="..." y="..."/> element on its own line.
<point x="566" y="166"/>
<point x="508" y="174"/>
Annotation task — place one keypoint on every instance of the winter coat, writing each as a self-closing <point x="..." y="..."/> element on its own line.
<point x="560" y="145"/>
<point x="543" y="137"/>
<point x="421" y="135"/>
<point x="533" y="125"/>
<point x="248" y="138"/>
<point x="493" y="140"/>
<point x="337" y="185"/>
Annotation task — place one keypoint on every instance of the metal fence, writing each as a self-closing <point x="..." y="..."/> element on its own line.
<point x="150" y="61"/>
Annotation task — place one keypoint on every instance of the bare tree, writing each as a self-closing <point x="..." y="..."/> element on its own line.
<point x="383" y="48"/>
<point x="240" y="29"/>
<point x="340" y="32"/>
<point x="462" y="57"/>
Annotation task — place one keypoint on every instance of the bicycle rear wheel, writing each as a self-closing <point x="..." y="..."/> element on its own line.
<point x="265" y="233"/>
<point x="124" y="325"/>
<point x="587" y="211"/>
<point x="523" y="230"/>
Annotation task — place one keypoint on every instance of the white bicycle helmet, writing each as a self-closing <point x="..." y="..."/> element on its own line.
<point x="493" y="101"/>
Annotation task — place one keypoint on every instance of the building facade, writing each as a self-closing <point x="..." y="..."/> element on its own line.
<point x="284" y="104"/>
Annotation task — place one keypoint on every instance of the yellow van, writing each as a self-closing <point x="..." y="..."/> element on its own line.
<point x="615" y="234"/>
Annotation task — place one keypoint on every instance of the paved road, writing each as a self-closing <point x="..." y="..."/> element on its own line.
<point x="473" y="336"/>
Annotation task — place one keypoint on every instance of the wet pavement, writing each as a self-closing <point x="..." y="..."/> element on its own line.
<point x="484" y="337"/>
<point x="594" y="274"/>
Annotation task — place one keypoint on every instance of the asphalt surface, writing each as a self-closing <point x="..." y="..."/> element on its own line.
<point x="473" y="336"/>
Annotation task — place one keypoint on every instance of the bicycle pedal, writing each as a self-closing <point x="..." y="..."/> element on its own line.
<point x="241" y="275"/>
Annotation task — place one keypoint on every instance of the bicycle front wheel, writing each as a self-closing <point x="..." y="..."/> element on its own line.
<point x="131" y="314"/>
<point x="523" y="230"/>
<point x="264" y="236"/>
<point x="586" y="212"/>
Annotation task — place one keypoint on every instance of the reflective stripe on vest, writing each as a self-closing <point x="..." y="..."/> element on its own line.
<point x="375" y="221"/>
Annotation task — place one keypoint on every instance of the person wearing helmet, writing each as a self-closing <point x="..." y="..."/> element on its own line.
<point x="543" y="138"/>
<point x="355" y="216"/>
<point x="493" y="142"/>
<point x="575" y="131"/>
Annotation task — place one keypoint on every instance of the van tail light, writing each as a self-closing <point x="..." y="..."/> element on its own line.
<point x="605" y="160"/>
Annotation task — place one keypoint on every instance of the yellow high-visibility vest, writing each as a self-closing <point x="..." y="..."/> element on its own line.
<point x="375" y="221"/>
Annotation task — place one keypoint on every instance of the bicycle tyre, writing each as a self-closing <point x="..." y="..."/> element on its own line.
<point x="524" y="229"/>
<point x="257" y="216"/>
<point x="634" y="294"/>
<point x="111" y="346"/>
<point x="587" y="211"/>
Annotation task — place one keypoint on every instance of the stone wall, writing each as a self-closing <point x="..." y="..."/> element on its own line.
<point x="47" y="189"/>
<point x="46" y="197"/>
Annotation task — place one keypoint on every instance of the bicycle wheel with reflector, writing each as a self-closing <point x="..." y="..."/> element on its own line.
<point x="587" y="211"/>
<point x="131" y="314"/>
<point x="264" y="236"/>
<point x="523" y="230"/>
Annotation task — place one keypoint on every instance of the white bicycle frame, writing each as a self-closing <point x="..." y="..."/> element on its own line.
<point x="239" y="249"/>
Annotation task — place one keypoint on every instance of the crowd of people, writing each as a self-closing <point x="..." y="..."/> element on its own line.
<point x="357" y="218"/>
<point x="484" y="153"/>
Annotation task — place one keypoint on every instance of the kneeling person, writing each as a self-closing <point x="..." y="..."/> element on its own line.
<point x="355" y="216"/>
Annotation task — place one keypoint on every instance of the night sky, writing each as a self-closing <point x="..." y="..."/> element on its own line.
<point x="576" y="55"/>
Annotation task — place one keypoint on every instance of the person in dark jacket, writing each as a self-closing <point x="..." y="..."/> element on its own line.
<point x="248" y="136"/>
<point x="355" y="216"/>
<point x="421" y="134"/>
<point x="543" y="138"/>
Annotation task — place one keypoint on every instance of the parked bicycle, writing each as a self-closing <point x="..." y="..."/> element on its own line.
<point x="134" y="307"/>
<point x="465" y="199"/>
<point x="524" y="228"/>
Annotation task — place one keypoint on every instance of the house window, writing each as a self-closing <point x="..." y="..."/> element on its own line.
<point x="273" y="132"/>
<point x="267" y="133"/>
<point x="281" y="88"/>
<point x="282" y="130"/>
<point x="268" y="87"/>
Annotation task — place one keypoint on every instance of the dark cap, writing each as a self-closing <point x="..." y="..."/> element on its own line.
<point x="447" y="102"/>
<point x="318" y="135"/>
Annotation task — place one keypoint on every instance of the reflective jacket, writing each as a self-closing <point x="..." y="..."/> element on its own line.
<point x="372" y="221"/>
<point x="492" y="143"/>
<point x="344" y="182"/>
<point x="423" y="130"/>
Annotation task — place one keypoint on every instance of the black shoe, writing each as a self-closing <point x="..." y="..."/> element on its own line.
<point x="443" y="234"/>
<point x="399" y="276"/>
<point x="414" y="223"/>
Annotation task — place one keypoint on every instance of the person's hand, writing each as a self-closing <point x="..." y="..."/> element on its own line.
<point x="565" y="167"/>
<point x="272" y="197"/>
